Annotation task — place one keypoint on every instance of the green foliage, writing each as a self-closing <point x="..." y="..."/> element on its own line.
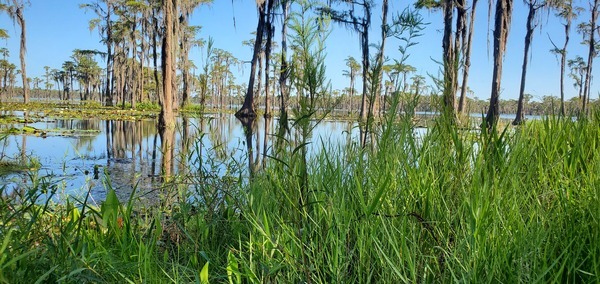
<point x="312" y="87"/>
<point x="308" y="68"/>
<point x="445" y="205"/>
<point x="436" y="208"/>
<point x="147" y="106"/>
<point x="4" y="34"/>
<point x="10" y="165"/>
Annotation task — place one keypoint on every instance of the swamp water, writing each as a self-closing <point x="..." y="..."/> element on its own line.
<point x="77" y="156"/>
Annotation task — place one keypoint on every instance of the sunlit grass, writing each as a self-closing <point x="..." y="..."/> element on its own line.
<point x="514" y="205"/>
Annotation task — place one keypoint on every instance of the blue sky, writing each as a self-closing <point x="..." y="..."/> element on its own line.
<point x="57" y="27"/>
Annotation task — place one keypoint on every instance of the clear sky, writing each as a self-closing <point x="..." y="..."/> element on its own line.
<point x="56" y="27"/>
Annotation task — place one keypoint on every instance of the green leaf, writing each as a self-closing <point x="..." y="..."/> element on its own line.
<point x="377" y="200"/>
<point x="43" y="278"/>
<point x="233" y="269"/>
<point x="204" y="274"/>
<point x="110" y="207"/>
<point x="13" y="259"/>
<point x="4" y="34"/>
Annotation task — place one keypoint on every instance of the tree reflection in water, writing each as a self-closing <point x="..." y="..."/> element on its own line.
<point x="266" y="140"/>
<point x="198" y="153"/>
<point x="249" y="125"/>
<point x="167" y="142"/>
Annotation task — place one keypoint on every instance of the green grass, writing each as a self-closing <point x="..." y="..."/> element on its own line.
<point x="10" y="165"/>
<point x="516" y="205"/>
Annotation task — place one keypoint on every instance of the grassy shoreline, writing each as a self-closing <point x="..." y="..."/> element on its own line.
<point x="504" y="206"/>
<point x="94" y="109"/>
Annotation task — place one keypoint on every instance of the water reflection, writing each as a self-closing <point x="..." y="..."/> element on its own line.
<point x="167" y="140"/>
<point x="185" y="144"/>
<point x="249" y="125"/>
<point x="82" y="155"/>
<point x="266" y="139"/>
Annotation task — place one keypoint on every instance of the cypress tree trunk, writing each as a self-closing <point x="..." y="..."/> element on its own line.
<point x="247" y="109"/>
<point x="366" y="66"/>
<point x="563" y="59"/>
<point x="520" y="119"/>
<point x="166" y="118"/>
<point x="269" y="26"/>
<point x="591" y="55"/>
<point x="449" y="60"/>
<point x="501" y="28"/>
<point x="467" y="55"/>
<point x="23" y="50"/>
<point x="284" y="73"/>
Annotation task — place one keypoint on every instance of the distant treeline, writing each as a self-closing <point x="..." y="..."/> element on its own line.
<point x="343" y="104"/>
<point x="140" y="37"/>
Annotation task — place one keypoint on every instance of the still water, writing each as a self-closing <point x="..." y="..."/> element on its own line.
<point x="78" y="156"/>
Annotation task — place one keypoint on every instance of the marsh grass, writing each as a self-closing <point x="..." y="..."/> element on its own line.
<point x="11" y="164"/>
<point x="510" y="205"/>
